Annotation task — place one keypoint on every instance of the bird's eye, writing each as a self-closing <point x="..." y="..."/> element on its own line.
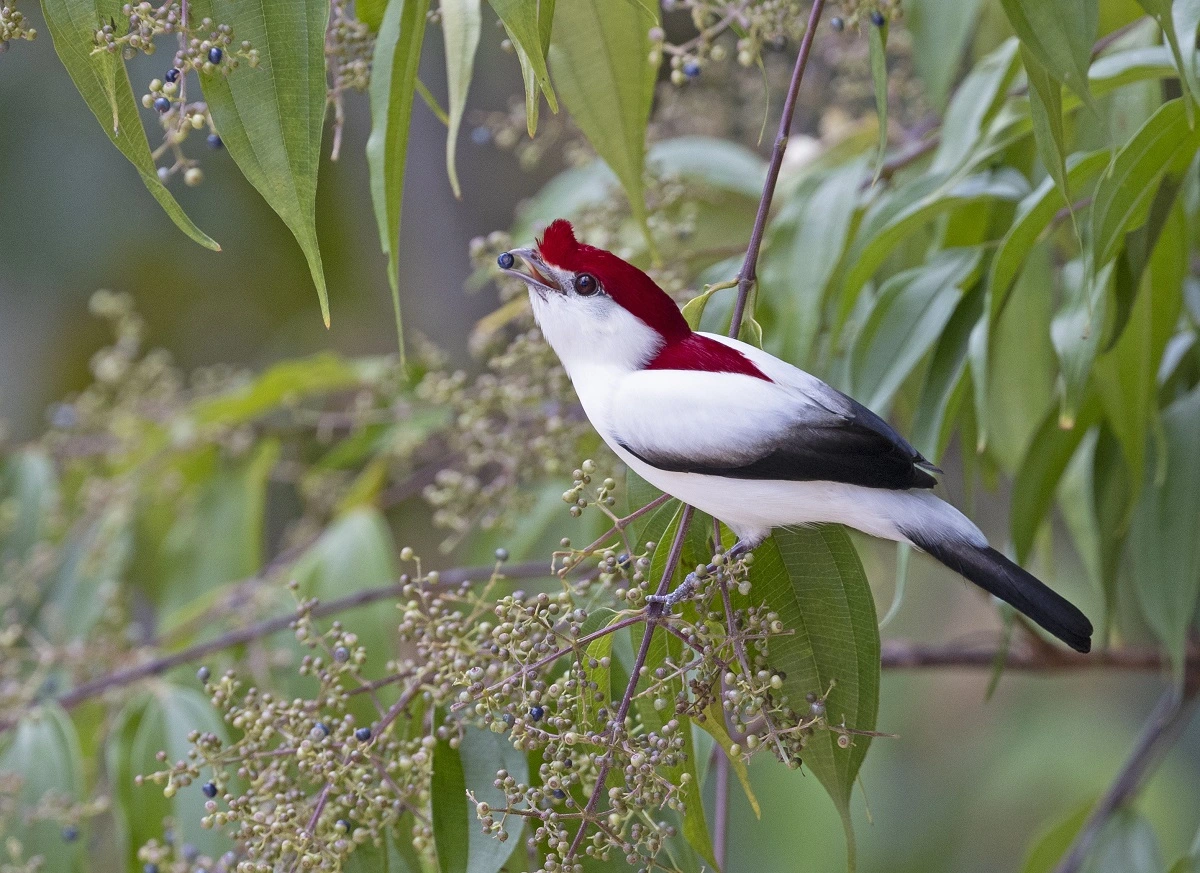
<point x="586" y="285"/>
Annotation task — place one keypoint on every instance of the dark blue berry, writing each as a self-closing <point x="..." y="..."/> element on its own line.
<point x="150" y="868"/>
<point x="214" y="141"/>
<point x="559" y="793"/>
<point x="190" y="852"/>
<point x="536" y="713"/>
<point x="877" y="18"/>
<point x="691" y="69"/>
<point x="506" y="260"/>
<point x="341" y="654"/>
<point x="508" y="719"/>
<point x="70" y="833"/>
<point x="837" y="24"/>
<point x="203" y="674"/>
<point x="481" y="136"/>
<point x="215" y="54"/>
<point x="502" y="554"/>
<point x="343" y="824"/>
<point x="172" y="75"/>
<point x="209" y="789"/>
<point x="362" y="734"/>
<point x="321" y="729"/>
<point x="162" y="104"/>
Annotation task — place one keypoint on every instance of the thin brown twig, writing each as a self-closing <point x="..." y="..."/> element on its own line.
<point x="748" y="274"/>
<point x="720" y="765"/>
<point x="1166" y="722"/>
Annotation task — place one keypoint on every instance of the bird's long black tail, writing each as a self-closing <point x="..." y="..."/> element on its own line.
<point x="996" y="574"/>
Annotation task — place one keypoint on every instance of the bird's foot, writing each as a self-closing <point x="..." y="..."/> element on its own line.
<point x="687" y="589"/>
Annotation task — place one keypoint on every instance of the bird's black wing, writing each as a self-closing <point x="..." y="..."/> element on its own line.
<point x="747" y="428"/>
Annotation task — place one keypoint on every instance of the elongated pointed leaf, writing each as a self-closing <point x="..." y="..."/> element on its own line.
<point x="1059" y="34"/>
<point x="271" y="118"/>
<point x="43" y="751"/>
<point x="525" y="20"/>
<point x="450" y="810"/>
<point x="1046" y="109"/>
<point x="1053" y="843"/>
<point x="1182" y="49"/>
<point x="877" y="38"/>
<point x="813" y="578"/>
<point x="974" y="104"/>
<point x="393" y="78"/>
<point x="461" y="25"/>
<point x="909" y="315"/>
<point x="1164" y="538"/>
<point x="599" y="51"/>
<point x="1164" y="144"/>
<point x="482" y="754"/>
<point x="1076" y="331"/>
<point x="104" y="85"/>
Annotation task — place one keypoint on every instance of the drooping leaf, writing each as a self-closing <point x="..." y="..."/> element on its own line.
<point x="1077" y="330"/>
<point x="599" y="51"/>
<point x="482" y="754"/>
<point x="450" y="810"/>
<point x="393" y="78"/>
<point x="29" y="491"/>
<point x="973" y="105"/>
<point x="813" y="579"/>
<point x="102" y="81"/>
<point x="43" y="752"/>
<point x="882" y="230"/>
<point x="909" y="315"/>
<point x="944" y="382"/>
<point x="1161" y="12"/>
<point x="940" y="32"/>
<point x="1037" y="479"/>
<point x="154" y="722"/>
<point x="1164" y="538"/>
<point x="462" y="22"/>
<point x="1060" y="35"/>
<point x="1046" y="109"/>
<point x="1185" y="21"/>
<point x="714" y="726"/>
<point x="1164" y="144"/>
<point x="798" y="281"/>
<point x="271" y="118"/>
<point x="524" y="20"/>
<point x="877" y="39"/>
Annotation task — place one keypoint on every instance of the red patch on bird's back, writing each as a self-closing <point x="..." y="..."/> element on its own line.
<point x="699" y="352"/>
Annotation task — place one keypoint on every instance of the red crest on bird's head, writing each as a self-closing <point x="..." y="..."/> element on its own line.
<point x="620" y="280"/>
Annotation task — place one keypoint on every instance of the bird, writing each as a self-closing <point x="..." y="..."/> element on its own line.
<point x="743" y="435"/>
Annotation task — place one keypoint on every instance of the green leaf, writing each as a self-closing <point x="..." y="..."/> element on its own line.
<point x="1163" y="145"/>
<point x="1053" y="843"/>
<point x="482" y="753"/>
<point x="714" y="726"/>
<point x="940" y="32"/>
<point x="918" y="204"/>
<point x="662" y="647"/>
<point x="154" y="722"/>
<point x="910" y="313"/>
<point x="102" y="81"/>
<point x="599" y="51"/>
<point x="877" y="39"/>
<point x="598" y="649"/>
<point x="1037" y="479"/>
<point x="93" y="562"/>
<point x="1046" y="110"/>
<point x="813" y="579"/>
<point x="397" y="56"/>
<point x="1127" y="844"/>
<point x="975" y="103"/>
<point x="1060" y="35"/>
<point x="1076" y="331"/>
<point x="285" y="382"/>
<point x="396" y="855"/>
<point x="370" y="12"/>
<point x="797" y="280"/>
<point x="43" y="752"/>
<point x="450" y="811"/>
<point x="29" y="493"/>
<point x="524" y="21"/>
<point x="1185" y="21"/>
<point x="1161" y="12"/>
<point x="1164" y="537"/>
<point x="271" y="117"/>
<point x="1129" y="66"/>
<point x="461" y="25"/>
<point x="944" y="381"/>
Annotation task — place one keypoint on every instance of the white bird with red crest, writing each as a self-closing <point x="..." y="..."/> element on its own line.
<point x="744" y="436"/>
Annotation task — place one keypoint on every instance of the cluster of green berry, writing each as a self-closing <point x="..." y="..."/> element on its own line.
<point x="13" y="25"/>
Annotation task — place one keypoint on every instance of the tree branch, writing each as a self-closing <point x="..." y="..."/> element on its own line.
<point x="749" y="270"/>
<point x="1166" y="722"/>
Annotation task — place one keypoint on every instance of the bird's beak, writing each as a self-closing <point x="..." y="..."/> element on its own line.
<point x="536" y="274"/>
